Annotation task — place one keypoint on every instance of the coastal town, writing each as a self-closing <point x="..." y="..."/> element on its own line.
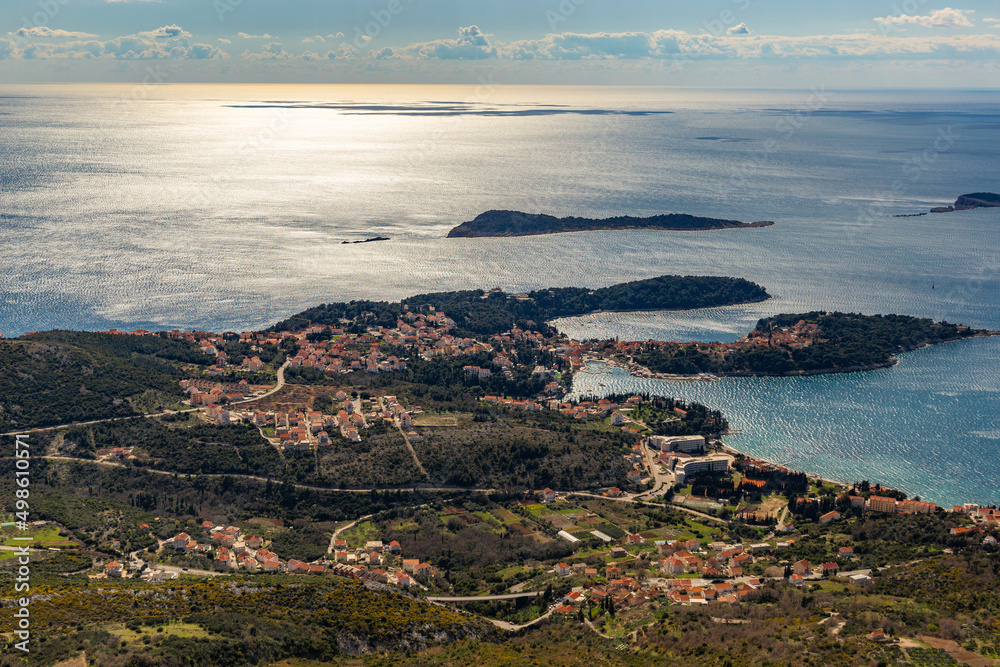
<point x="651" y="510"/>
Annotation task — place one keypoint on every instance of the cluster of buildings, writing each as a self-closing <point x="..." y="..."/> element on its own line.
<point x="675" y="559"/>
<point x="206" y="393"/>
<point x="892" y="506"/>
<point x="628" y="592"/>
<point x="797" y="336"/>
<point x="229" y="546"/>
<point x="343" y="354"/>
<point x="689" y="557"/>
<point x="982" y="516"/>
<point x="382" y="562"/>
<point x="303" y="429"/>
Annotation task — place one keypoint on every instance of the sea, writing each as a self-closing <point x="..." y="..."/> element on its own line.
<point x="228" y="207"/>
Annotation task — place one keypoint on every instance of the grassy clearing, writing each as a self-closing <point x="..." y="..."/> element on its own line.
<point x="170" y="629"/>
<point x="436" y="420"/>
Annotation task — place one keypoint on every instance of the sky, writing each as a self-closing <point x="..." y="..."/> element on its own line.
<point x="723" y="43"/>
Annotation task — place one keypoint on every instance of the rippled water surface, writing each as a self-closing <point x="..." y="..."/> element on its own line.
<point x="226" y="208"/>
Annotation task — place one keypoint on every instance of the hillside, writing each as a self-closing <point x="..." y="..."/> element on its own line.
<point x="60" y="376"/>
<point x="234" y="621"/>
<point x="516" y="223"/>
<point x="482" y="312"/>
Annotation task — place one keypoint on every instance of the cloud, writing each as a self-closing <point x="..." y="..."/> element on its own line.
<point x="80" y="50"/>
<point x="992" y="21"/>
<point x="270" y="51"/>
<point x="6" y="49"/>
<point x="339" y="35"/>
<point x="740" y="29"/>
<point x="310" y="56"/>
<point x="45" y="31"/>
<point x="472" y="44"/>
<point x="680" y="46"/>
<point x="314" y="38"/>
<point x="943" y="18"/>
<point x="602" y="45"/>
<point x="243" y="35"/>
<point x="166" y="32"/>
<point x="223" y="40"/>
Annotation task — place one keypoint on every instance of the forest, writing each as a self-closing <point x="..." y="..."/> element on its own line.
<point x="846" y="341"/>
<point x="59" y="377"/>
<point x="484" y="313"/>
<point x="179" y="443"/>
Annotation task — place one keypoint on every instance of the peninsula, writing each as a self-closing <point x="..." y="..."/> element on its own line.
<point x="516" y="223"/>
<point x="803" y="344"/>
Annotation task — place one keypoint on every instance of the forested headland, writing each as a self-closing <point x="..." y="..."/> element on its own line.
<point x="807" y="343"/>
<point x="482" y="312"/>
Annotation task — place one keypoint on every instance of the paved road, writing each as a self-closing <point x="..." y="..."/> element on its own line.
<point x="95" y="421"/>
<point x="661" y="478"/>
<point x="278" y="387"/>
<point x="408" y="489"/>
<point x="486" y="598"/>
<point x="347" y="526"/>
<point x="31" y="549"/>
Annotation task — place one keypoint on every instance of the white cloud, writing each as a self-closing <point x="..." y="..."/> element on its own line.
<point x="137" y="47"/>
<point x="223" y="40"/>
<point x="270" y="51"/>
<point x="314" y="38"/>
<point x="243" y="35"/>
<point x="679" y="45"/>
<point x="740" y="29"/>
<point x="339" y="35"/>
<point x="166" y="32"/>
<point x="310" y="56"/>
<point x="383" y="54"/>
<point x="942" y="18"/>
<point x="472" y="44"/>
<point x="992" y="21"/>
<point x="65" y="50"/>
<point x="166" y="43"/>
<point x="45" y="31"/>
<point x="6" y="49"/>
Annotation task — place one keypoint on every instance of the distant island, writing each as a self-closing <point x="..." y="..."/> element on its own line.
<point x="516" y="223"/>
<point x="963" y="203"/>
<point x="371" y="240"/>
